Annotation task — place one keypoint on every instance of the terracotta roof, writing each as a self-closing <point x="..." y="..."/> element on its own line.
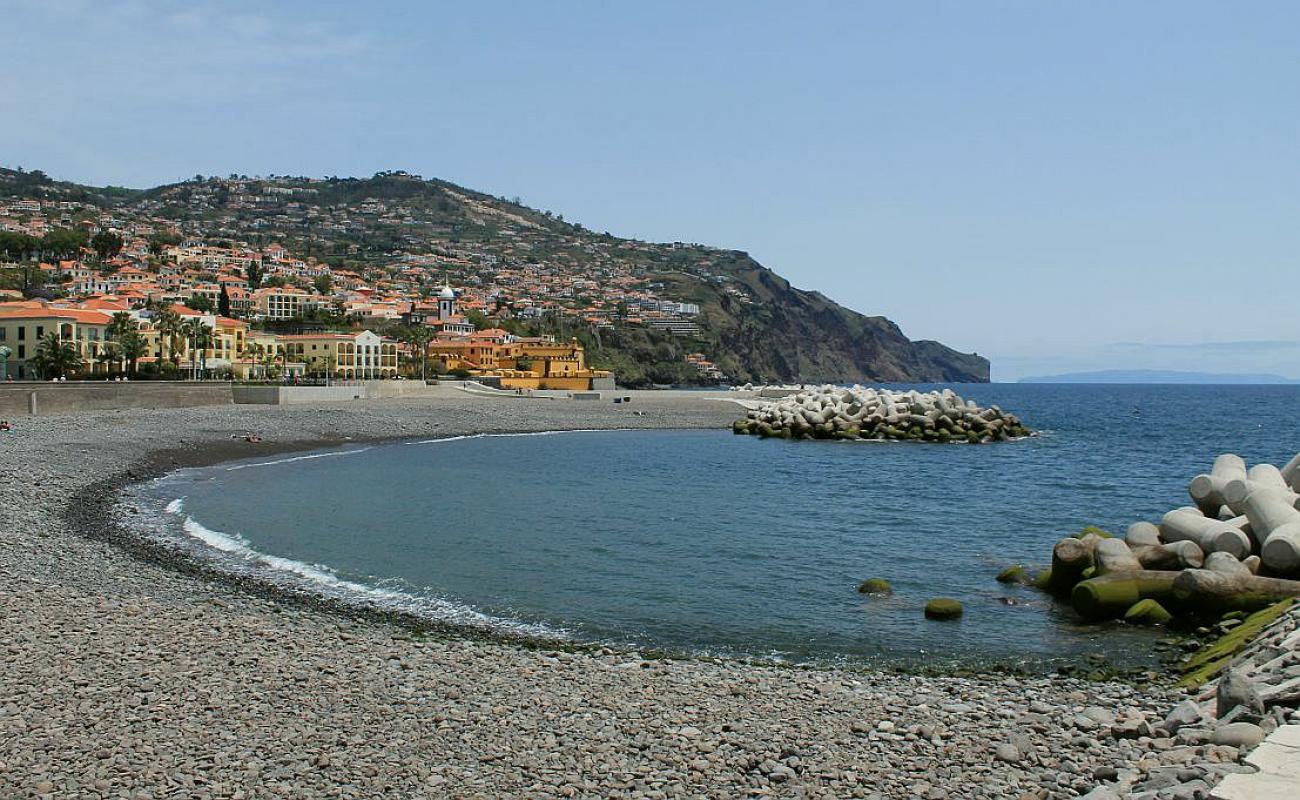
<point x="75" y="314"/>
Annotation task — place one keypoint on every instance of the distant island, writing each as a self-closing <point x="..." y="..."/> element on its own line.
<point x="1160" y="376"/>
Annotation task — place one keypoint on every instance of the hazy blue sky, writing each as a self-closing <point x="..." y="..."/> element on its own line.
<point x="1058" y="186"/>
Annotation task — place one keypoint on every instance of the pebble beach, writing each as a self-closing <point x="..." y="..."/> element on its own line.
<point x="130" y="675"/>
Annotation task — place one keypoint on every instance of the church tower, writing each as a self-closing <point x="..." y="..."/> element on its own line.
<point x="446" y="303"/>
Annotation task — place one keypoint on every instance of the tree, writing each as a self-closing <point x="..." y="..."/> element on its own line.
<point x="418" y="336"/>
<point x="106" y="244"/>
<point x="223" y="302"/>
<point x="63" y="243"/>
<point x="18" y="246"/>
<point x="109" y="354"/>
<point x="199" y="337"/>
<point x="199" y="302"/>
<point x="133" y="347"/>
<point x="168" y="324"/>
<point x="323" y="284"/>
<point x="121" y="324"/>
<point x="253" y="272"/>
<point x="55" y="357"/>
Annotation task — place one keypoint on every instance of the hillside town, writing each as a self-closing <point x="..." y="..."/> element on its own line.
<point x="243" y="279"/>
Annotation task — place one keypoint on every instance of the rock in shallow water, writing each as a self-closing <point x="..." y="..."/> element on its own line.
<point x="943" y="608"/>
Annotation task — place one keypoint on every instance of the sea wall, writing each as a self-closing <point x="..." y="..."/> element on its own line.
<point x="298" y="395"/>
<point x="18" y="399"/>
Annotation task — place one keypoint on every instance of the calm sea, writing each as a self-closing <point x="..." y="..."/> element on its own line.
<point x="707" y="542"/>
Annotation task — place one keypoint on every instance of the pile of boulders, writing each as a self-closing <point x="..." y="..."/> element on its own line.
<point x="1236" y="548"/>
<point x="834" y="412"/>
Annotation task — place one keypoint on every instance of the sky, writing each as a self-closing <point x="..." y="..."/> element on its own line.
<point x="1056" y="186"/>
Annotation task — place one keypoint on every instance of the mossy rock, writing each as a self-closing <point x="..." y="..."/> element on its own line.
<point x="1088" y="572"/>
<point x="1109" y="596"/>
<point x="1205" y="663"/>
<point x="1147" y="612"/>
<point x="1043" y="580"/>
<point x="740" y="426"/>
<point x="943" y="608"/>
<point x="875" y="586"/>
<point x="1014" y="574"/>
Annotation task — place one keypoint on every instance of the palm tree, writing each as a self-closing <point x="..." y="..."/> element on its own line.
<point x="133" y="346"/>
<point x="418" y="336"/>
<point x="109" y="353"/>
<point x="168" y="323"/>
<point x="204" y="339"/>
<point x="55" y="357"/>
<point x="119" y="327"/>
<point x="194" y="330"/>
<point x="270" y="369"/>
<point x="120" y="324"/>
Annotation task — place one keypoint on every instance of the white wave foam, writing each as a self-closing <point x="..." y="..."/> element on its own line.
<point x="322" y="580"/>
<point x="442" y="439"/>
<point x="296" y="458"/>
<point x="221" y="541"/>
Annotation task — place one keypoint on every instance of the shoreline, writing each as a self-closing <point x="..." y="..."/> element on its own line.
<point x="126" y="675"/>
<point x="104" y="510"/>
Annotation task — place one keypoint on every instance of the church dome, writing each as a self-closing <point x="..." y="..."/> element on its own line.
<point x="447" y="293"/>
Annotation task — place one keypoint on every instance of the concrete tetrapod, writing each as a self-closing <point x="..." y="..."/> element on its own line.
<point x="1276" y="525"/>
<point x="1113" y="555"/>
<point x="1142" y="534"/>
<point x="1207" y="489"/>
<point x="1175" y="555"/>
<point x="1109" y="596"/>
<point x="1070" y="557"/>
<point x="833" y="412"/>
<point x="1291" y="473"/>
<point x="1260" y="476"/>
<point x="1215" y="591"/>
<point x="1211" y="535"/>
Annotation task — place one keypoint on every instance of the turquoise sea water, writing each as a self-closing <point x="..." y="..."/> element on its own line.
<point x="705" y="541"/>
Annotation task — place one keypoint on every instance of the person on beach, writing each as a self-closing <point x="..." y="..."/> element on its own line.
<point x="5" y="427"/>
<point x="252" y="437"/>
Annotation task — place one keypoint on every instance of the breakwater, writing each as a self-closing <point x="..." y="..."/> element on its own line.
<point x="1237" y="548"/>
<point x="833" y="412"/>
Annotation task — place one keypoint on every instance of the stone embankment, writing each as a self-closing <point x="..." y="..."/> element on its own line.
<point x="833" y="412"/>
